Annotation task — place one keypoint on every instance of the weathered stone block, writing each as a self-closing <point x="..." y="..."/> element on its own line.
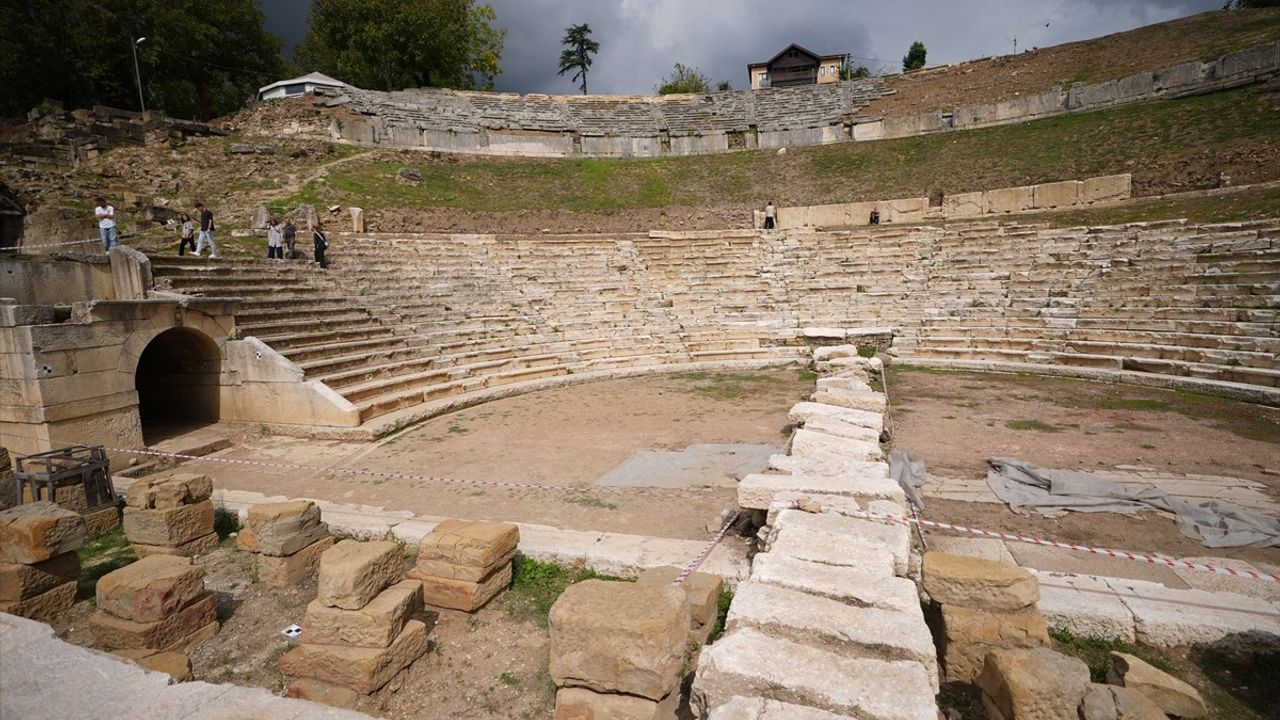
<point x="169" y="526"/>
<point x="1172" y="695"/>
<point x="281" y="529"/>
<point x="801" y="412"/>
<point x="702" y="589"/>
<point x="895" y="538"/>
<point x="964" y="204"/>
<point x="748" y="662"/>
<point x="870" y="401"/>
<point x="468" y="544"/>
<point x="195" y="622"/>
<point x="1035" y="684"/>
<point x="353" y="572"/>
<point x="464" y="595"/>
<point x="977" y="583"/>
<point x="969" y="634"/>
<point x="199" y="546"/>
<point x="1106" y="702"/>
<point x="169" y="492"/>
<point x="450" y="571"/>
<point x="851" y="586"/>
<point x="45" y="605"/>
<point x="742" y="708"/>
<point x="1085" y="605"/>
<point x="35" y="532"/>
<point x="1009" y="200"/>
<point x="175" y="664"/>
<point x="1055" y="195"/>
<point x="19" y="581"/>
<point x="321" y="692"/>
<point x="619" y="637"/>
<point x="583" y="704"/>
<point x="150" y="589"/>
<point x="375" y="625"/>
<point x="102" y="521"/>
<point x="809" y="442"/>
<point x="292" y="569"/>
<point x="1108" y="188"/>
<point x="363" y="670"/>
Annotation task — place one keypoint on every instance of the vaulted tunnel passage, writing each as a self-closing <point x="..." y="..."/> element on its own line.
<point x="177" y="383"/>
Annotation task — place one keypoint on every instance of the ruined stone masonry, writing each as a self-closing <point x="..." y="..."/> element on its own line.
<point x="170" y="515"/>
<point x="39" y="566"/>
<point x="158" y="603"/>
<point x="462" y="565"/>
<point x="287" y="538"/>
<point x="360" y="631"/>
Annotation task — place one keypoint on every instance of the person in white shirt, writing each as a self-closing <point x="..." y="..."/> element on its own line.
<point x="770" y="212"/>
<point x="106" y="215"/>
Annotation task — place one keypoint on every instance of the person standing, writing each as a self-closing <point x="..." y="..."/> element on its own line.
<point x="106" y="215"/>
<point x="206" y="232"/>
<point x="770" y="215"/>
<point x="290" y="238"/>
<point x="186" y="233"/>
<point x="275" y="240"/>
<point x="321" y="242"/>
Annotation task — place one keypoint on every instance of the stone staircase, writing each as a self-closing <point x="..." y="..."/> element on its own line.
<point x="398" y="321"/>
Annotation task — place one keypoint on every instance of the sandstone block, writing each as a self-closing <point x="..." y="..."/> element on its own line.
<point x="468" y="544"/>
<point x="747" y="662"/>
<point x="177" y="665"/>
<point x="970" y="634"/>
<point x="895" y="538"/>
<point x="1172" y="695"/>
<point x="977" y="583"/>
<point x="1108" y="188"/>
<point x="848" y="585"/>
<point x="1034" y="684"/>
<point x="808" y="442"/>
<point x="321" y="692"/>
<point x="802" y="411"/>
<point x="450" y="571"/>
<point x="742" y="708"/>
<point x="103" y="521"/>
<point x="292" y="569"/>
<point x="375" y="625"/>
<point x="1056" y="194"/>
<point x="868" y="632"/>
<point x="619" y="637"/>
<point x="169" y="526"/>
<point x="859" y="554"/>
<point x="281" y="529"/>
<point x="702" y="589"/>
<point x="1106" y="702"/>
<point x="869" y="401"/>
<point x="363" y="670"/>
<point x="35" y="532"/>
<point x="463" y="595"/>
<point x="169" y="492"/>
<point x="967" y="204"/>
<point x="1007" y="200"/>
<point x="192" y="548"/>
<point x="150" y="589"/>
<point x="195" y="622"/>
<point x="44" y="605"/>
<point x="353" y="572"/>
<point x="20" y="582"/>
<point x="582" y="704"/>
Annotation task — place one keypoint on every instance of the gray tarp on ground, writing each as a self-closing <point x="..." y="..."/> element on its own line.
<point x="1215" y="524"/>
<point x="910" y="476"/>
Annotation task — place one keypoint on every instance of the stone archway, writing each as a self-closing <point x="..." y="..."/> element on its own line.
<point x="178" y="383"/>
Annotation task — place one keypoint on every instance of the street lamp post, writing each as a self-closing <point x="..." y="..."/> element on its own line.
<point x="137" y="75"/>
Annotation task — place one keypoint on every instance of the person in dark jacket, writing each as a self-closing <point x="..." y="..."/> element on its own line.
<point x="321" y="242"/>
<point x="290" y="238"/>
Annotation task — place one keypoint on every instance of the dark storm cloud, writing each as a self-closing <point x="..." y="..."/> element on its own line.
<point x="640" y="40"/>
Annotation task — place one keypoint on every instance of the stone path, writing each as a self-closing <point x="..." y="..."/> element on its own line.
<point x="44" y="677"/>
<point x="702" y="465"/>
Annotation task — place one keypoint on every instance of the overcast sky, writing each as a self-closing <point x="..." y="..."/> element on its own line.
<point x="640" y="40"/>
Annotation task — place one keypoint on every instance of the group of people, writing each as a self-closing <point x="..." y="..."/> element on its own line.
<point x="771" y="216"/>
<point x="285" y="235"/>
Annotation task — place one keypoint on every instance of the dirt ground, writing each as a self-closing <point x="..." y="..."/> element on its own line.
<point x="1198" y="37"/>
<point x="566" y="437"/>
<point x="954" y="421"/>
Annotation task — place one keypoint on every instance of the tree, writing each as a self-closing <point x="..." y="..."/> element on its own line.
<point x="1241" y="4"/>
<point x="395" y="44"/>
<point x="724" y="86"/>
<point x="579" y="47"/>
<point x="684" y="79"/>
<point x="914" y="59"/>
<point x="849" y="72"/>
<point x="199" y="59"/>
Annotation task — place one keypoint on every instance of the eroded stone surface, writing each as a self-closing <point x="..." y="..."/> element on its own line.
<point x="754" y="708"/>
<point x="584" y="704"/>
<point x="363" y="670"/>
<point x="974" y="582"/>
<point x="353" y="572"/>
<point x="969" y="634"/>
<point x="1172" y="695"/>
<point x="463" y="595"/>
<point x="702" y="589"/>
<point x="35" y="532"/>
<point x="1035" y="684"/>
<point x="281" y="529"/>
<point x="196" y="621"/>
<point x="169" y="526"/>
<point x="292" y="569"/>
<point x="150" y="589"/>
<point x="375" y="625"/>
<point x="19" y="581"/>
<point x="849" y="585"/>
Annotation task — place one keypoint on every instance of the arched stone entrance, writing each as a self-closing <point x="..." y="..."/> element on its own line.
<point x="178" y="385"/>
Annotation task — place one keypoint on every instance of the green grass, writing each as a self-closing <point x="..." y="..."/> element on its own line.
<point x="1096" y="652"/>
<point x="101" y="555"/>
<point x="225" y="522"/>
<point x="536" y="585"/>
<point x="588" y="500"/>
<point x="722" y="612"/>
<point x="1036" y="425"/>
<point x="1132" y="404"/>
<point x="726" y="385"/>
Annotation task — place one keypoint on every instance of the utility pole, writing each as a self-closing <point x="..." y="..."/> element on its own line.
<point x="138" y="75"/>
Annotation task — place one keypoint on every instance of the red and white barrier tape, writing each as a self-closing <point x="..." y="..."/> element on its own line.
<point x="706" y="552"/>
<point x="26" y="247"/>
<point x="1109" y="552"/>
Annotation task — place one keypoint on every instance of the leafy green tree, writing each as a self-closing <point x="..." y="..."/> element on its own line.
<point x="914" y="59"/>
<point x="579" y="47"/>
<point x="396" y="44"/>
<point x="849" y="72"/>
<point x="200" y="59"/>
<point x="684" y="79"/>
<point x="724" y="86"/>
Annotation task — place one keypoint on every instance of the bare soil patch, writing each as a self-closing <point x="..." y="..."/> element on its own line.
<point x="566" y="437"/>
<point x="1199" y="37"/>
<point x="954" y="421"/>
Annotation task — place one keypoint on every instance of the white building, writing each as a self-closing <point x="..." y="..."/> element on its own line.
<point x="299" y="86"/>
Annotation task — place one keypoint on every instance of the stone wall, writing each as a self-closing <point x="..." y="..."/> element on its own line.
<point x="69" y="139"/>
<point x="1046" y="196"/>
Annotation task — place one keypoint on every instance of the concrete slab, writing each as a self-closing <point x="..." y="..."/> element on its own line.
<point x="868" y="632"/>
<point x="749" y="662"/>
<point x="1085" y="605"/>
<point x="702" y="465"/>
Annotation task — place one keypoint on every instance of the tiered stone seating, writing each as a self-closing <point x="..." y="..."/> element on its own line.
<point x="400" y="321"/>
